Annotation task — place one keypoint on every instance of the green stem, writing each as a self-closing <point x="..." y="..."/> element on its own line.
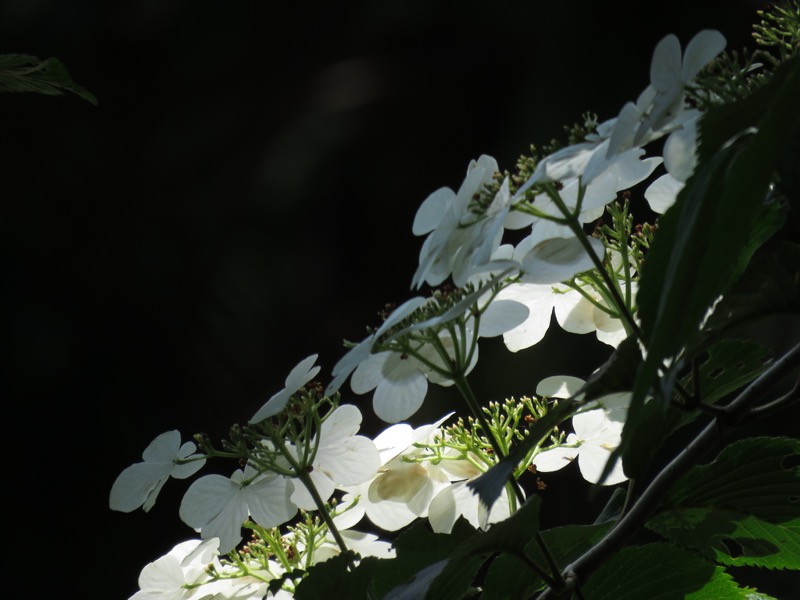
<point x="571" y="220"/>
<point x="302" y="474"/>
<point x="472" y="402"/>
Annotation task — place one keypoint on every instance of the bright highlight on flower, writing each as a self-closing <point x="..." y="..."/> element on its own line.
<point x="506" y="255"/>
<point x="597" y="433"/>
<point x="139" y="484"/>
<point x="304" y="372"/>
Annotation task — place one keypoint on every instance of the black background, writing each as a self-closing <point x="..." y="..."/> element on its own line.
<point x="242" y="197"/>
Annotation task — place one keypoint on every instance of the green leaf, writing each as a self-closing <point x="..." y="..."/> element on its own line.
<point x="741" y="509"/>
<point x="754" y="475"/>
<point x="333" y="574"/>
<point x="730" y="365"/>
<point x="732" y="538"/>
<point x="615" y="375"/>
<point x="701" y="240"/>
<point x="509" y="578"/>
<point x="644" y="434"/>
<point x="769" y="288"/>
<point x="490" y="485"/>
<point x="511" y="536"/>
<point x="704" y="241"/>
<point x="660" y="572"/>
<point x="419" y="584"/>
<point x="416" y="549"/>
<point x="26" y="73"/>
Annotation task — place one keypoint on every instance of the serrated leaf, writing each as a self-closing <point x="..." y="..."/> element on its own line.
<point x="660" y="572"/>
<point x="731" y="364"/>
<point x="732" y="538"/>
<point x="749" y="476"/>
<point x="741" y="509"/>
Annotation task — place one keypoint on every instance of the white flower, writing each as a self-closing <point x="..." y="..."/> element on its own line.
<point x="365" y="544"/>
<point x="402" y="490"/>
<point x="350" y="361"/>
<point x="661" y="194"/>
<point x="139" y="484"/>
<point x="546" y="264"/>
<point x="680" y="159"/>
<point x="342" y="457"/>
<point x="552" y="254"/>
<point x="443" y="216"/>
<point x="217" y="506"/>
<point x="597" y="432"/>
<point x="400" y="381"/>
<point x="540" y="300"/>
<point x="185" y="564"/>
<point x="297" y="378"/>
<point x="458" y="500"/>
<point x="670" y="74"/>
<point x="594" y="167"/>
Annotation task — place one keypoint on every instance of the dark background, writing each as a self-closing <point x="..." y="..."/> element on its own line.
<point x="242" y="197"/>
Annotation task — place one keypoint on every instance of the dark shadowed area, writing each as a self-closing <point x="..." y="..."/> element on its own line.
<point x="242" y="197"/>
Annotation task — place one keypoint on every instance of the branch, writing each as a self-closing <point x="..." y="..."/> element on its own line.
<point x="648" y="502"/>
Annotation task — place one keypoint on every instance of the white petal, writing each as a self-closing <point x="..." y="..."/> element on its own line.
<point x="661" y="194"/>
<point x="205" y="499"/>
<point x="348" y="362"/>
<point x="389" y="515"/>
<point x="665" y="68"/>
<point x="397" y="400"/>
<point x="501" y="316"/>
<point x="302" y="373"/>
<point x="539" y="300"/>
<point x="555" y="459"/>
<point x="269" y="502"/>
<point x="342" y="423"/>
<point x="164" y="448"/>
<point x="680" y="151"/>
<point x="303" y="499"/>
<point x="369" y="373"/>
<point x="610" y="330"/>
<point x="701" y="50"/>
<point x="556" y="260"/>
<point x="188" y="469"/>
<point x="133" y="486"/>
<point x="351" y="461"/>
<point x="559" y="386"/>
<point x="592" y="461"/>
<point x="431" y="211"/>
<point x="393" y="440"/>
<point x="518" y="220"/>
<point x="400" y="313"/>
<point x="227" y="526"/>
<point x="574" y="312"/>
<point x="162" y="578"/>
<point x="589" y="424"/>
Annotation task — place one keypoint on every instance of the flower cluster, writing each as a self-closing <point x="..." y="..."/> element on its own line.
<point x="501" y="256"/>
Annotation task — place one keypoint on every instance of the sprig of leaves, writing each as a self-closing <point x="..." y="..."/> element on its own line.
<point x="26" y="73"/>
